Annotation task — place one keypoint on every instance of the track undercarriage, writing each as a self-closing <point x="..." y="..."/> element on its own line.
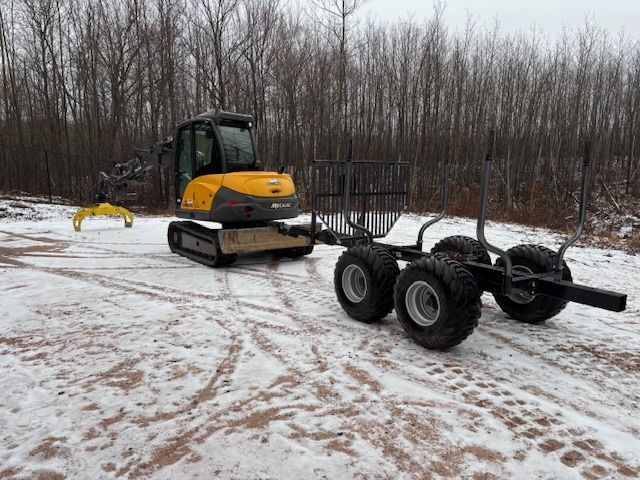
<point x="219" y="247"/>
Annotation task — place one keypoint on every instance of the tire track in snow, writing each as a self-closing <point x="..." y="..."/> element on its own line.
<point x="153" y="288"/>
<point x="483" y="395"/>
<point x="532" y="415"/>
<point x="606" y="369"/>
<point x="354" y="413"/>
<point x="250" y="407"/>
<point x="537" y="424"/>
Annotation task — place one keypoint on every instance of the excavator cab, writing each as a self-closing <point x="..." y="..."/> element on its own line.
<point x="197" y="153"/>
<point x="218" y="177"/>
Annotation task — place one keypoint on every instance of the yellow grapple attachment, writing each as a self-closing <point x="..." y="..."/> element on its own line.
<point x="102" y="209"/>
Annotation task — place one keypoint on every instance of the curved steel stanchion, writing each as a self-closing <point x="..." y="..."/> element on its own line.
<point x="482" y="216"/>
<point x="584" y="193"/>
<point x="445" y="203"/>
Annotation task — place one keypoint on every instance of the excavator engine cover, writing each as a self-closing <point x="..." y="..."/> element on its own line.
<point x="240" y="197"/>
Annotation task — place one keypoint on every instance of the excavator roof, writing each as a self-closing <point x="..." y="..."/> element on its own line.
<point x="218" y="115"/>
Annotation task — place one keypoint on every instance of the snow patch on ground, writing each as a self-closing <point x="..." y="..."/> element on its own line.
<point x="25" y="208"/>
<point x="119" y="358"/>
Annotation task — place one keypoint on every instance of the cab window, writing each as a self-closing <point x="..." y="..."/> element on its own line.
<point x="207" y="151"/>
<point x="238" y="148"/>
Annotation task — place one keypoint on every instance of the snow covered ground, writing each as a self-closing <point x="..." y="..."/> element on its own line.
<point x="120" y="359"/>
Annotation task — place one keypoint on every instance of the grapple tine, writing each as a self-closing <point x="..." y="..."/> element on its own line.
<point x="101" y="209"/>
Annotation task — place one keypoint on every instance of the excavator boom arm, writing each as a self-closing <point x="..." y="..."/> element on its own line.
<point x="110" y="186"/>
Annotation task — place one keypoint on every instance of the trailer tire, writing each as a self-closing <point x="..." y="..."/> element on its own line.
<point x="462" y="249"/>
<point x="454" y="299"/>
<point x="364" y="278"/>
<point x="526" y="308"/>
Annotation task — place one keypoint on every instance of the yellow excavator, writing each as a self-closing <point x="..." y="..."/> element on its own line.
<point x="218" y="178"/>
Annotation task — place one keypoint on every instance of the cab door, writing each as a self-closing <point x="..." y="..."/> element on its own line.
<point x="184" y="164"/>
<point x="199" y="168"/>
<point x="208" y="158"/>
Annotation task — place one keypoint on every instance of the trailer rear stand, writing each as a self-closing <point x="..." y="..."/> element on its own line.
<point x="437" y="295"/>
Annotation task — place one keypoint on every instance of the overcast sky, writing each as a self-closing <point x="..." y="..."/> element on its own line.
<point x="549" y="15"/>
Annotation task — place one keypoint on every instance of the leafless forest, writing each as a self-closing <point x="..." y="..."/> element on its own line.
<point x="89" y="80"/>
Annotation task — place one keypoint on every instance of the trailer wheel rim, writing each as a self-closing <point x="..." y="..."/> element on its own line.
<point x="423" y="303"/>
<point x="354" y="283"/>
<point x="521" y="298"/>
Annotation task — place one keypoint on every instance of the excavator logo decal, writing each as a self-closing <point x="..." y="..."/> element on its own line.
<point x="277" y="206"/>
<point x="273" y="181"/>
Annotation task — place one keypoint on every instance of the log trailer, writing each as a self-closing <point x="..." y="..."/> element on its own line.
<point x="437" y="294"/>
<point x="354" y="204"/>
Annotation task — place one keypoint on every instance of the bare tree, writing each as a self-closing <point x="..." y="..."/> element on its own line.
<point x="88" y="81"/>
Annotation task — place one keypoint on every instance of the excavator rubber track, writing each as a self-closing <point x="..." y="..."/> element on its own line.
<point x="197" y="243"/>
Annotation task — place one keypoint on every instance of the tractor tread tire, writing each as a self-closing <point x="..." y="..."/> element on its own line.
<point x="462" y="248"/>
<point x="382" y="270"/>
<point x="539" y="259"/>
<point x="460" y="303"/>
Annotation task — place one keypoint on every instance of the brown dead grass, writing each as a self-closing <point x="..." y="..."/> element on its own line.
<point x="47" y="475"/>
<point x="632" y="244"/>
<point x="49" y="448"/>
<point x="363" y="377"/>
<point x="11" y="472"/>
<point x="540" y="210"/>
